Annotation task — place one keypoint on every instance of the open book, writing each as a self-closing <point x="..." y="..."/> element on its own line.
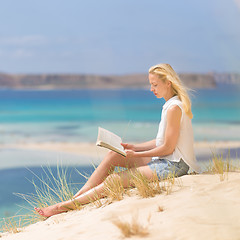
<point x="110" y="140"/>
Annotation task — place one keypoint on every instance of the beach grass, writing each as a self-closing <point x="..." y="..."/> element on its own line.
<point x="113" y="188"/>
<point x="12" y="225"/>
<point x="160" y="209"/>
<point x="132" y="228"/>
<point x="96" y="200"/>
<point x="168" y="182"/>
<point x="16" y="223"/>
<point x="145" y="187"/>
<point x="221" y="165"/>
<point x="52" y="189"/>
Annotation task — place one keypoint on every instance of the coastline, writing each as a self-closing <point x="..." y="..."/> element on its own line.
<point x="83" y="81"/>
<point x="86" y="153"/>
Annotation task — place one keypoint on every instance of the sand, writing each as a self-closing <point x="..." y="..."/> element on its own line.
<point x="30" y="154"/>
<point x="201" y="207"/>
<point x="79" y="148"/>
<point x="90" y="149"/>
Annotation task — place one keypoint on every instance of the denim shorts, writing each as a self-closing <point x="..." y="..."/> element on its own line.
<point x="165" y="168"/>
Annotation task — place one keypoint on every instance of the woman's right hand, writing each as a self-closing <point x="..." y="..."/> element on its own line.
<point x="128" y="146"/>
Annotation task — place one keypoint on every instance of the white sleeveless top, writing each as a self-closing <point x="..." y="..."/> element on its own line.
<point x="184" y="148"/>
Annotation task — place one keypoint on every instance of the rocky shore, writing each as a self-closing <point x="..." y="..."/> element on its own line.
<point x="81" y="81"/>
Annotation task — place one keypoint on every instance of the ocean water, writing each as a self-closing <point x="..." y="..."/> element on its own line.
<point x="17" y="181"/>
<point x="74" y="116"/>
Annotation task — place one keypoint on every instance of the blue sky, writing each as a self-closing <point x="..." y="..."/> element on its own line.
<point x="119" y="36"/>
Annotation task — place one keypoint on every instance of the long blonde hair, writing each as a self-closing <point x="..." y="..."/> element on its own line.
<point x="165" y="72"/>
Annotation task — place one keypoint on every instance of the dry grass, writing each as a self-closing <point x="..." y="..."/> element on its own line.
<point x="146" y="188"/>
<point x="113" y="188"/>
<point x="97" y="200"/>
<point x="168" y="183"/>
<point x="16" y="223"/>
<point x="220" y="165"/>
<point x="133" y="228"/>
<point x="150" y="188"/>
<point x="50" y="190"/>
<point x="113" y="191"/>
<point x="11" y="225"/>
<point x="160" y="209"/>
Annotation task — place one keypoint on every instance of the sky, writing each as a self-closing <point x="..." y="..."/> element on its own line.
<point x="119" y="36"/>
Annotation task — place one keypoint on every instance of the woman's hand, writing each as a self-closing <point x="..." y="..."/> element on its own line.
<point x="130" y="153"/>
<point x="129" y="149"/>
<point x="128" y="146"/>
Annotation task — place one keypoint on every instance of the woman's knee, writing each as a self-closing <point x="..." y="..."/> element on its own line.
<point x="118" y="179"/>
<point x="112" y="178"/>
<point x="146" y="171"/>
<point x="112" y="158"/>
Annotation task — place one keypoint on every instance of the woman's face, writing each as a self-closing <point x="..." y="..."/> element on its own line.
<point x="159" y="88"/>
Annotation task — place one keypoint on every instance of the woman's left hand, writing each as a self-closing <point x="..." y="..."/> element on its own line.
<point x="130" y="153"/>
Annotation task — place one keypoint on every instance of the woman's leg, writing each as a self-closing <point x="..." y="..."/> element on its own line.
<point x="94" y="193"/>
<point x="106" y="167"/>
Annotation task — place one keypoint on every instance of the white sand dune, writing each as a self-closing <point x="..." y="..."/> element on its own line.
<point x="203" y="207"/>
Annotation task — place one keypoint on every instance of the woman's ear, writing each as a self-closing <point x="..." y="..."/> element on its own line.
<point x="169" y="83"/>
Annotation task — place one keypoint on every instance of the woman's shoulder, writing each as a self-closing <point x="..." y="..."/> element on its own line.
<point x="174" y="110"/>
<point x="175" y="104"/>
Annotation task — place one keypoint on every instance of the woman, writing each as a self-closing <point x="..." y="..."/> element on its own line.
<point x="171" y="151"/>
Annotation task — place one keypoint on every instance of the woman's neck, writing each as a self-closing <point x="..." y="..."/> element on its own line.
<point x="169" y="96"/>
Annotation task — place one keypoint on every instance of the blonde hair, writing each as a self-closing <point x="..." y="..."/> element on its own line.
<point x="165" y="72"/>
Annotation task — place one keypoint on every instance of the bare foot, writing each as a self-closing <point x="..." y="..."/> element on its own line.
<point x="51" y="210"/>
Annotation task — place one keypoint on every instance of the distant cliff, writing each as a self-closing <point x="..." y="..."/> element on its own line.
<point x="226" y="78"/>
<point x="80" y="81"/>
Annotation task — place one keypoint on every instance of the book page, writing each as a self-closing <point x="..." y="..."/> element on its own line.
<point x="105" y="136"/>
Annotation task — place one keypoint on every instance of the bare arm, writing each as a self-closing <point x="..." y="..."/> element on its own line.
<point x="140" y="146"/>
<point x="171" y="136"/>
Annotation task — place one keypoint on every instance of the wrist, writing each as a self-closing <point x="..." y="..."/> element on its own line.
<point x="138" y="154"/>
<point x="134" y="148"/>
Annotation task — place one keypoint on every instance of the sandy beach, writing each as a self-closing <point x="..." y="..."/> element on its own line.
<point x="199" y="207"/>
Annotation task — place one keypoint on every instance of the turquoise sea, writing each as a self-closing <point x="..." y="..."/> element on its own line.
<point x="74" y="116"/>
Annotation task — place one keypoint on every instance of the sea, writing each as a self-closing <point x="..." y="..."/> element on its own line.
<point x="40" y="116"/>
